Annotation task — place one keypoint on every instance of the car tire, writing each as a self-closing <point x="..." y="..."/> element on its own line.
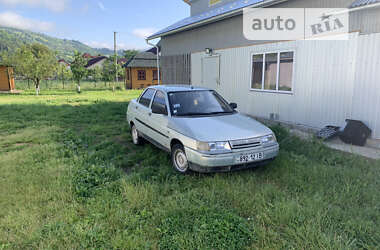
<point x="136" y="138"/>
<point x="179" y="159"/>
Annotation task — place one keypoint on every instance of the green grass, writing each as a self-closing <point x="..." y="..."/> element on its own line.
<point x="71" y="179"/>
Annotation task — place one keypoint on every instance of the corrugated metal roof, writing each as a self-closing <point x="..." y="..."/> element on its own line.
<point x="221" y="10"/>
<point x="359" y="3"/>
<point x="143" y="59"/>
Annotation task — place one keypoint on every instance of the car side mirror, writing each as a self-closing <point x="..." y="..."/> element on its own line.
<point x="160" y="110"/>
<point x="233" y="105"/>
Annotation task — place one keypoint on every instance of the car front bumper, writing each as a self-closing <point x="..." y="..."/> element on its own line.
<point x="201" y="162"/>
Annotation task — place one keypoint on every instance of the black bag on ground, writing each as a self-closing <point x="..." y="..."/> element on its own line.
<point x="355" y="133"/>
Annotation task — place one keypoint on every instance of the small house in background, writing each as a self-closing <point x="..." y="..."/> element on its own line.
<point x="64" y="63"/>
<point x="122" y="61"/>
<point x="7" y="81"/>
<point x="141" y="71"/>
<point x="96" y="62"/>
<point x="88" y="56"/>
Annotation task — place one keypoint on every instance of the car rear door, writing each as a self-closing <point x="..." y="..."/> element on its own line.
<point x="159" y="122"/>
<point x="143" y="112"/>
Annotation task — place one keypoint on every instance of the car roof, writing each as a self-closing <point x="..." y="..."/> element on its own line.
<point x="177" y="88"/>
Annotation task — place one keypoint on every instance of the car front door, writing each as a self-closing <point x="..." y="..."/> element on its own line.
<point x="159" y="120"/>
<point x="143" y="112"/>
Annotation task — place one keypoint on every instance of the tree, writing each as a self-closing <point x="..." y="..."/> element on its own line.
<point x="78" y="69"/>
<point x="109" y="70"/>
<point x="63" y="73"/>
<point x="97" y="74"/>
<point x="36" y="62"/>
<point x="5" y="57"/>
<point x="130" y="53"/>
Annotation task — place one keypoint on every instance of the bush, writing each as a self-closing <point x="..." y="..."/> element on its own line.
<point x="87" y="179"/>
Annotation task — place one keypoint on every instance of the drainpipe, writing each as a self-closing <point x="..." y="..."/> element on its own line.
<point x="158" y="58"/>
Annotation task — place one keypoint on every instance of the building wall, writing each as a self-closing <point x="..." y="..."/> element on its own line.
<point x="333" y="81"/>
<point x="176" y="69"/>
<point x="6" y="78"/>
<point x="133" y="81"/>
<point x="98" y="64"/>
<point x="229" y="32"/>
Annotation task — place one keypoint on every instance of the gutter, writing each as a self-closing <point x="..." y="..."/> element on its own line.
<point x="158" y="58"/>
<point x="217" y="18"/>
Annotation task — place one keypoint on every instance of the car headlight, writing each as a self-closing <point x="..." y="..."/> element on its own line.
<point x="213" y="146"/>
<point x="268" y="139"/>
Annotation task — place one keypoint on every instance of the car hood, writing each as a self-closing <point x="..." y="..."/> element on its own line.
<point x="219" y="128"/>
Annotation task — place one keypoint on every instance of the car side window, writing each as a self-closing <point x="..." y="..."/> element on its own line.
<point x="146" y="97"/>
<point x="159" y="103"/>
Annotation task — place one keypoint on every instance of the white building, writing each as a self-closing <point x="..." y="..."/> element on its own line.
<point x="309" y="83"/>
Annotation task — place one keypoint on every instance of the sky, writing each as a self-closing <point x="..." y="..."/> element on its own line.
<point x="94" y="21"/>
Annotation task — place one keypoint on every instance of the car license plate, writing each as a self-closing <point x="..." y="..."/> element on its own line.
<point x="250" y="157"/>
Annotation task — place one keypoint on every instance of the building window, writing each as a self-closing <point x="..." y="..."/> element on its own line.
<point x="155" y="75"/>
<point x="213" y="2"/>
<point x="286" y="71"/>
<point x="257" y="71"/>
<point x="270" y="75"/>
<point x="141" y="75"/>
<point x="273" y="72"/>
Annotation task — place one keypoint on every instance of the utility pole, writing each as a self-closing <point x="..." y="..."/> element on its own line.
<point x="115" y="52"/>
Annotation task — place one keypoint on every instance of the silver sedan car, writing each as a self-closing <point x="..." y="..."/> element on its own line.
<point x="200" y="130"/>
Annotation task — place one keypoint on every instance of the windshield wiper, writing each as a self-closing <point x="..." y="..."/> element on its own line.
<point x="220" y="112"/>
<point x="191" y="114"/>
<point x="211" y="113"/>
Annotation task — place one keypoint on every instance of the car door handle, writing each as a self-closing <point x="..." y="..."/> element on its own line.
<point x="137" y="107"/>
<point x="150" y="114"/>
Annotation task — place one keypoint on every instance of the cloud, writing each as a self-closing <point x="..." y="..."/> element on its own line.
<point x="14" y="20"/>
<point x="143" y="32"/>
<point x="54" y="5"/>
<point x="101" y="6"/>
<point x="120" y="46"/>
<point x="99" y="45"/>
<point x="139" y="46"/>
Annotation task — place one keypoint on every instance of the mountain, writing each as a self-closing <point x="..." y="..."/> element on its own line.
<point x="11" y="39"/>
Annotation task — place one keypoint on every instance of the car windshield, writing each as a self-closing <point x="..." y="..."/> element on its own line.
<point x="202" y="102"/>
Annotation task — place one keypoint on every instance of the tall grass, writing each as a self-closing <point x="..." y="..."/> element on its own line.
<point x="71" y="179"/>
<point x="68" y="85"/>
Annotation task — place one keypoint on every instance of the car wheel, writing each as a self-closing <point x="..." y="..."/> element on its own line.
<point x="136" y="139"/>
<point x="179" y="159"/>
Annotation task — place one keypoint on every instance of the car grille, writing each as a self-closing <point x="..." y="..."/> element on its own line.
<point x="246" y="143"/>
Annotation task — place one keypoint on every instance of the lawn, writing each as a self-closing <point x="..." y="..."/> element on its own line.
<point x="71" y="179"/>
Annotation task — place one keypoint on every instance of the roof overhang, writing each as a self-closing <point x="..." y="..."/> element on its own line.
<point x="361" y="3"/>
<point x="187" y="1"/>
<point x="261" y="4"/>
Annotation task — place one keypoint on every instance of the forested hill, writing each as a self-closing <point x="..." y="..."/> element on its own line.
<point x="11" y="39"/>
